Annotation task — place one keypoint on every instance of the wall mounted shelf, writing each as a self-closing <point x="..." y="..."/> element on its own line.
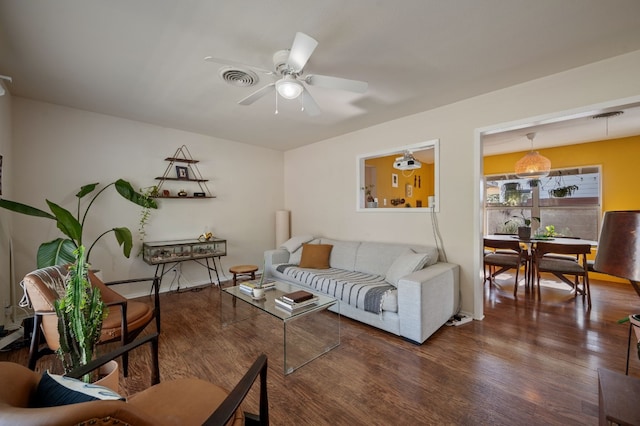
<point x="187" y="173"/>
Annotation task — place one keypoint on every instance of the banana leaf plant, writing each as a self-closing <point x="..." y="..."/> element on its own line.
<point x="60" y="251"/>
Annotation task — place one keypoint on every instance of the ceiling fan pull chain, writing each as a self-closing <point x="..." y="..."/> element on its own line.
<point x="276" y="92"/>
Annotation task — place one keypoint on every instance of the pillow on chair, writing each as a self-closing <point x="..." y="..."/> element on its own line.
<point x="315" y="256"/>
<point x="54" y="390"/>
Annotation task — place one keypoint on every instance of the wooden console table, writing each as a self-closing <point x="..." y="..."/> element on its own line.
<point x="618" y="398"/>
<point x="163" y="253"/>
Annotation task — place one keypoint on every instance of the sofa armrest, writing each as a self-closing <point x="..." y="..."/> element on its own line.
<point x="274" y="257"/>
<point x="427" y="299"/>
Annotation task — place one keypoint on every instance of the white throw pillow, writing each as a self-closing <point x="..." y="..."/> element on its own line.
<point x="293" y="244"/>
<point x="404" y="265"/>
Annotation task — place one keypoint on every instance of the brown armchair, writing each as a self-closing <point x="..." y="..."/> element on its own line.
<point x="179" y="402"/>
<point x="126" y="319"/>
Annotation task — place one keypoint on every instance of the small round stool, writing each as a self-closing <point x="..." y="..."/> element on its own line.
<point x="240" y="271"/>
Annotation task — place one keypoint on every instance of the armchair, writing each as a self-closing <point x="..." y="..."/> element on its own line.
<point x="126" y="319"/>
<point x="181" y="401"/>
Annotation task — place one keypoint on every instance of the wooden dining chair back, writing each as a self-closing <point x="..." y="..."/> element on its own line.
<point x="501" y="256"/>
<point x="572" y="263"/>
<point x="126" y="318"/>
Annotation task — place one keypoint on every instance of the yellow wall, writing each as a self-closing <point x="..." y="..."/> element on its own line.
<point x="617" y="157"/>
<point x="384" y="189"/>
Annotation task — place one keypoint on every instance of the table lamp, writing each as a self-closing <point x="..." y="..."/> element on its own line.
<point x="619" y="246"/>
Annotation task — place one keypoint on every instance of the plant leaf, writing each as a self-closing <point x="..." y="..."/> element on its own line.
<point x="123" y="235"/>
<point x="67" y="223"/>
<point x="56" y="252"/>
<point x="24" y="209"/>
<point x="86" y="189"/>
<point x="125" y="189"/>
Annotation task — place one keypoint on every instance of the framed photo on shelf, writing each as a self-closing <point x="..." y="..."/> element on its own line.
<point x="182" y="172"/>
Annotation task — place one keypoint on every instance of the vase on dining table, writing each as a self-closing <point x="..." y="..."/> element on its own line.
<point x="524" y="232"/>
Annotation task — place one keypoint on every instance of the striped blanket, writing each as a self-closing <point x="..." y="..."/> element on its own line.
<point x="363" y="291"/>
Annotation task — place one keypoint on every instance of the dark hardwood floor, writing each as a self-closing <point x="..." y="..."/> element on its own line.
<point x="528" y="362"/>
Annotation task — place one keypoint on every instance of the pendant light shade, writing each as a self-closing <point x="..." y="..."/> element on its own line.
<point x="533" y="165"/>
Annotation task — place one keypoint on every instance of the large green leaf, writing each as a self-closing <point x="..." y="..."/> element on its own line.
<point x="24" y="209"/>
<point x="123" y="235"/>
<point x="125" y="189"/>
<point x="57" y="252"/>
<point x="67" y="223"/>
<point x="86" y="189"/>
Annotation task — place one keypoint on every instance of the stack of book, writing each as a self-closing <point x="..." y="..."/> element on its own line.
<point x="248" y="286"/>
<point x="296" y="300"/>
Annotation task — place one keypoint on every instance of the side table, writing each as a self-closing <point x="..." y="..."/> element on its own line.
<point x="618" y="398"/>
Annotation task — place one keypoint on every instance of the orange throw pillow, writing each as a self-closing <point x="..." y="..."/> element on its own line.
<point x="315" y="256"/>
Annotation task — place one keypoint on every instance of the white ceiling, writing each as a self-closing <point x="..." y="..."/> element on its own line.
<point x="143" y="59"/>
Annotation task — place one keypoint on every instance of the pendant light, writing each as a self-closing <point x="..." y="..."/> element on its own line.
<point x="533" y="165"/>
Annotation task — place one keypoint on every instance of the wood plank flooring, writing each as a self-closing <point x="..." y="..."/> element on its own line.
<point x="527" y="363"/>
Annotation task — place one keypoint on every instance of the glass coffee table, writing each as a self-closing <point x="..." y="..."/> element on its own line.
<point x="308" y="332"/>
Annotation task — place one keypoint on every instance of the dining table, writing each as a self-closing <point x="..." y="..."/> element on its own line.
<point x="530" y="244"/>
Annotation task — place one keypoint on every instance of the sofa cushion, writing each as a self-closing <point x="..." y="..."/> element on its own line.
<point x="54" y="390"/>
<point x="376" y="258"/>
<point x="315" y="256"/>
<point x="294" y="258"/>
<point x="405" y="264"/>
<point x="294" y="243"/>
<point x="343" y="254"/>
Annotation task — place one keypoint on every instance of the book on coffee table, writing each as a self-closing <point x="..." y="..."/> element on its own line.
<point x="297" y="296"/>
<point x="281" y="303"/>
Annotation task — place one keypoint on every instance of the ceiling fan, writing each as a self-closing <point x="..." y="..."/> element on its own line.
<point x="288" y="68"/>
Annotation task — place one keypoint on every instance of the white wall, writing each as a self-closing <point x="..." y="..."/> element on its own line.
<point x="324" y="174"/>
<point x="58" y="149"/>
<point x="5" y="217"/>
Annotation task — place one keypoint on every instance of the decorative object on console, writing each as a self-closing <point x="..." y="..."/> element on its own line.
<point x="182" y="193"/>
<point x="532" y="165"/>
<point x="60" y="251"/>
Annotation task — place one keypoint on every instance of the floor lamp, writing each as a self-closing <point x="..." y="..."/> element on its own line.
<point x="619" y="255"/>
<point x="619" y="246"/>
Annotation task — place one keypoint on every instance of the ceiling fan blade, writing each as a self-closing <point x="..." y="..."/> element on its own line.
<point x="301" y="50"/>
<point x="337" y="83"/>
<point x="309" y="104"/>
<point x="258" y="94"/>
<point x="237" y="64"/>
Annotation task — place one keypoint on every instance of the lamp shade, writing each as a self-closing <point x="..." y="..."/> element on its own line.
<point x="533" y="166"/>
<point x="619" y="245"/>
<point x="288" y="87"/>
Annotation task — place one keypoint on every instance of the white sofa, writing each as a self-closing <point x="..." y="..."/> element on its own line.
<point x="399" y="288"/>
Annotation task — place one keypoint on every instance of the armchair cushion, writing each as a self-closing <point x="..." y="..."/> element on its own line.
<point x="54" y="390"/>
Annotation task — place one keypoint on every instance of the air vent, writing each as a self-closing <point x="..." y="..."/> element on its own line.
<point x="238" y="77"/>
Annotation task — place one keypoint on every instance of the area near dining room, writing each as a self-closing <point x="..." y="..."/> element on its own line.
<point x="611" y="161"/>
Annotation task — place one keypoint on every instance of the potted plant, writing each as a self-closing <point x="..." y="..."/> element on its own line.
<point x="563" y="191"/>
<point x="524" y="231"/>
<point x="80" y="314"/>
<point x="60" y="250"/>
<point x="371" y="202"/>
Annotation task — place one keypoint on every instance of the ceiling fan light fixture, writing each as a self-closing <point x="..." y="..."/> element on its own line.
<point x="288" y="87"/>
<point x="532" y="165"/>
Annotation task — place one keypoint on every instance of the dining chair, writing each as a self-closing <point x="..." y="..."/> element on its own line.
<point x="502" y="256"/>
<point x="546" y="259"/>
